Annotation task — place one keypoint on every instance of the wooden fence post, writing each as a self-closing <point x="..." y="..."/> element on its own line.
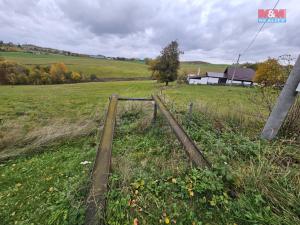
<point x="190" y="110"/>
<point x="154" y="112"/>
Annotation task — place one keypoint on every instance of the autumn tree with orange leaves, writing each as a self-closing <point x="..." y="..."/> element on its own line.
<point x="270" y="73"/>
<point x="57" y="72"/>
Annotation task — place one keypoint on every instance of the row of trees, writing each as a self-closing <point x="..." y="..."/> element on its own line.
<point x="14" y="73"/>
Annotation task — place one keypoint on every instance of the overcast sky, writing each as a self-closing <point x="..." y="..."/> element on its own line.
<point x="213" y="31"/>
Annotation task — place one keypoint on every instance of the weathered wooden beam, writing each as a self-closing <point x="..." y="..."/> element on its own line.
<point x="134" y="99"/>
<point x="96" y="200"/>
<point x="192" y="150"/>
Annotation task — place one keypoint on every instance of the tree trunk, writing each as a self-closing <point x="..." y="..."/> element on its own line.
<point x="167" y="83"/>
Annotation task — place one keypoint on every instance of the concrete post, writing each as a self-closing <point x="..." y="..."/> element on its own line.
<point x="285" y="101"/>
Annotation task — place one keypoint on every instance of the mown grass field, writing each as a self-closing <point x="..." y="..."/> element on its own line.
<point x="33" y="114"/>
<point x="37" y="114"/>
<point x="103" y="68"/>
<point x="236" y="106"/>
<point x="57" y="129"/>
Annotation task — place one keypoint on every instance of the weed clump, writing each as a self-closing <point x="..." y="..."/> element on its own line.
<point x="247" y="184"/>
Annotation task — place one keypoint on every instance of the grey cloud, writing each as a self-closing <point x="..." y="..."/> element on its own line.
<point x="109" y="17"/>
<point x="216" y="30"/>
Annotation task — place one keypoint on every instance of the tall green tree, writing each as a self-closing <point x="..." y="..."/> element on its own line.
<point x="165" y="67"/>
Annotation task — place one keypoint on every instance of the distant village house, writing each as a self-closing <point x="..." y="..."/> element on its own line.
<point x="239" y="76"/>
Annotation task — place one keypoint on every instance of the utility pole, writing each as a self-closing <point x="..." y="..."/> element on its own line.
<point x="284" y="102"/>
<point x="237" y="62"/>
<point x="198" y="74"/>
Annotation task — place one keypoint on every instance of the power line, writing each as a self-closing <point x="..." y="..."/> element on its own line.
<point x="255" y="36"/>
<point x="237" y="62"/>
<point x="250" y="44"/>
<point x="257" y="33"/>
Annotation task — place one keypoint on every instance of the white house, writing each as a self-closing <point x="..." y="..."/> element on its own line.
<point x="236" y="76"/>
<point x="209" y="78"/>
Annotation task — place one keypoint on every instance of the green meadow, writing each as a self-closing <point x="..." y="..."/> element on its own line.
<point x="49" y="136"/>
<point x="102" y="68"/>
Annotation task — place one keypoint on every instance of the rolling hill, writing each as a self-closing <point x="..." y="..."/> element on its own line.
<point x="102" y="68"/>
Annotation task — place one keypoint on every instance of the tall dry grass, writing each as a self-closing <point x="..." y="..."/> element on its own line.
<point x="291" y="125"/>
<point x="16" y="141"/>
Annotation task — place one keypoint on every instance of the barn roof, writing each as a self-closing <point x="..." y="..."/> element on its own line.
<point x="195" y="77"/>
<point x="243" y="74"/>
<point x="214" y="74"/>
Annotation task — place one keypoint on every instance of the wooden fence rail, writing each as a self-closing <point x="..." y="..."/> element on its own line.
<point x="96" y="201"/>
<point x="191" y="148"/>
